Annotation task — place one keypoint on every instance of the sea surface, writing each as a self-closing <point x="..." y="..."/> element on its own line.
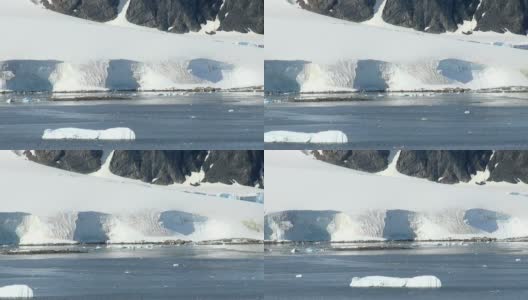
<point x="395" y="121"/>
<point x="161" y="121"/>
<point x="466" y="270"/>
<point x="139" y="272"/>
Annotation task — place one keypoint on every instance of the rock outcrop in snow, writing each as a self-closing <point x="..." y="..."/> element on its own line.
<point x="443" y="166"/>
<point x="178" y="16"/>
<point x="435" y="16"/>
<point x="95" y="10"/>
<point x="163" y="167"/>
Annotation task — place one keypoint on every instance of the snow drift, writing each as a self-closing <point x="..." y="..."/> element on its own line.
<point x="364" y="56"/>
<point x="16" y="292"/>
<point x="396" y="282"/>
<point x="63" y="53"/>
<point x="87" y="134"/>
<point x="99" y="208"/>
<point x="310" y="200"/>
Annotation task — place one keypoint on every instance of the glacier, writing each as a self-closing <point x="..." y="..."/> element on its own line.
<point x="43" y="205"/>
<point x="374" y="56"/>
<point x="310" y="200"/>
<point x="60" y="53"/>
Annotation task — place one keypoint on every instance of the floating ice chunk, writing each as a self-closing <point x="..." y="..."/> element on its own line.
<point x="517" y="259"/>
<point x="298" y="276"/>
<point x="294" y="251"/>
<point x="396" y="282"/>
<point x="231" y="110"/>
<point x="87" y="134"/>
<point x="176" y="265"/>
<point x="16" y="292"/>
<point x="325" y="137"/>
<point x="9" y="100"/>
<point x="467" y="112"/>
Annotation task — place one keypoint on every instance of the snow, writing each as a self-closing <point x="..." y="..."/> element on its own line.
<point x="396" y="282"/>
<point x="381" y="57"/>
<point x="325" y="137"/>
<point x="95" y="56"/>
<point x="16" y="291"/>
<point x="87" y="134"/>
<point x="91" y="208"/>
<point x="383" y="206"/>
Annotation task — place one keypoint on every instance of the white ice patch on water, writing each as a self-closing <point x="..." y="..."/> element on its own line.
<point x="16" y="292"/>
<point x="119" y="133"/>
<point x="325" y="137"/>
<point x="396" y="282"/>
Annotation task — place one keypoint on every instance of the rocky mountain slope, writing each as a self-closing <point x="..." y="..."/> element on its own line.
<point x="434" y="16"/>
<point x="178" y="16"/>
<point x="440" y="166"/>
<point x="163" y="167"/>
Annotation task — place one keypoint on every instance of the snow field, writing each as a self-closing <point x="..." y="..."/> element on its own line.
<point x="384" y="206"/>
<point x="91" y="56"/>
<point x="372" y="56"/>
<point x="99" y="208"/>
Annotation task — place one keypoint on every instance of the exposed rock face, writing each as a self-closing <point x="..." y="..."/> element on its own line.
<point x="76" y="161"/>
<point x="242" y="16"/>
<point x="429" y="15"/>
<point x="351" y="10"/>
<point x="159" y="167"/>
<point x="434" y="16"/>
<point x="179" y="16"/>
<point x="443" y="166"/>
<point x="168" y="167"/>
<point x="368" y="161"/>
<point x="502" y="15"/>
<point x="243" y="167"/>
<point x="95" y="10"/>
<point x="509" y="166"/>
<point x="183" y="16"/>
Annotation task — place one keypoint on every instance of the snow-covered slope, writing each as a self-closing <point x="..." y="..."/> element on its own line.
<point x="47" y="51"/>
<point x="308" y="52"/>
<point x="312" y="200"/>
<point x="41" y="205"/>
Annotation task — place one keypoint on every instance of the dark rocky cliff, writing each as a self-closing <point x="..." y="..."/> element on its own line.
<point x="178" y="16"/>
<point x="163" y="167"/>
<point x="435" y="16"/>
<point x="440" y="166"/>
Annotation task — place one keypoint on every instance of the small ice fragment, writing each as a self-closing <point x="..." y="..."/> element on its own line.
<point x="396" y="282"/>
<point x="176" y="265"/>
<point x="294" y="250"/>
<point x="298" y="276"/>
<point x="127" y="272"/>
<point x="517" y="259"/>
<point x="16" y="292"/>
<point x="467" y="112"/>
<point x="484" y="266"/>
<point x="9" y="100"/>
<point x="231" y="110"/>
<point x="424" y="119"/>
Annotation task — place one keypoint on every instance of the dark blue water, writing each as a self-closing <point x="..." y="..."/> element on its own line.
<point x="203" y="272"/>
<point x="472" y="271"/>
<point x="434" y="121"/>
<point x="216" y="121"/>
